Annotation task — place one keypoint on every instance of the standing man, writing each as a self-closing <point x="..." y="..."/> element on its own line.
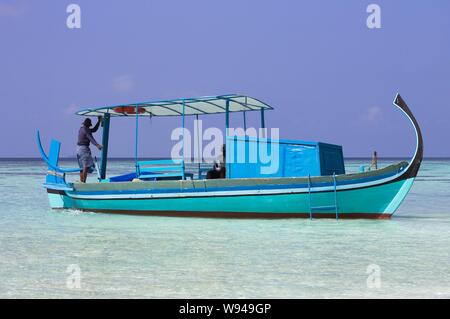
<point x="84" y="155"/>
<point x="374" y="160"/>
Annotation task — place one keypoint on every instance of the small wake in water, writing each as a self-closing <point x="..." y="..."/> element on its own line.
<point x="73" y="212"/>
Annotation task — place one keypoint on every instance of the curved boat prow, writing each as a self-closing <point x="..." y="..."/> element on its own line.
<point x="41" y="149"/>
<point x="55" y="180"/>
<point x="53" y="158"/>
<point x="414" y="165"/>
<point x="407" y="176"/>
<point x="56" y="176"/>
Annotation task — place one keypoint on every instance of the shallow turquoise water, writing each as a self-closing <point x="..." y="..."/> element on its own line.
<point x="136" y="256"/>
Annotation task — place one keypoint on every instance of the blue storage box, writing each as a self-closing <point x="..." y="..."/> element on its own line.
<point x="295" y="158"/>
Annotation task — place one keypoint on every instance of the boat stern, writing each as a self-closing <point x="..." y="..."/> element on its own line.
<point x="55" y="179"/>
<point x="57" y="199"/>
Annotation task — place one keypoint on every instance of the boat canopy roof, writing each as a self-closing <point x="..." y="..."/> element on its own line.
<point x="190" y="106"/>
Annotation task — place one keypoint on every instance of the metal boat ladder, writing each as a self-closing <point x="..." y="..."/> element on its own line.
<point x="322" y="208"/>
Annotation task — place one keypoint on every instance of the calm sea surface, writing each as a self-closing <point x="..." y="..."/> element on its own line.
<point x="138" y="256"/>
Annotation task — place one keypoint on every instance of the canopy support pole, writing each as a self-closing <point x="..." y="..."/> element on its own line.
<point x="199" y="151"/>
<point x="136" y="140"/>
<point x="227" y="126"/>
<point x="182" y="125"/>
<point x="105" y="140"/>
<point x="263" y="124"/>
<point x="227" y="117"/>
<point x="245" y="121"/>
<point x="182" y="145"/>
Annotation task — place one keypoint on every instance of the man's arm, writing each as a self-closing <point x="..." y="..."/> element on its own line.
<point x="95" y="128"/>
<point x="91" y="138"/>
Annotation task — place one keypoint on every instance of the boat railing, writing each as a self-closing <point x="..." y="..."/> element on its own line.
<point x="199" y="170"/>
<point x="162" y="169"/>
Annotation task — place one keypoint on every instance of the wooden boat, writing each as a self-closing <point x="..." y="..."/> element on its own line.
<point x="168" y="189"/>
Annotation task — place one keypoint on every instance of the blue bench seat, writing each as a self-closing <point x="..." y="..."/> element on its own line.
<point x="162" y="169"/>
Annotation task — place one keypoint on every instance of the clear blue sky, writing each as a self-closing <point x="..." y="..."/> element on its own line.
<point x="329" y="77"/>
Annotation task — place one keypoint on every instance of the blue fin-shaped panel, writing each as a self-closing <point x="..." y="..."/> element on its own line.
<point x="53" y="157"/>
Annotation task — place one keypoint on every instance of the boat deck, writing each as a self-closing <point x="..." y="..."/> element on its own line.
<point x="202" y="184"/>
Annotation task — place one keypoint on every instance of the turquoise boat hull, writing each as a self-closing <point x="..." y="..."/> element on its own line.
<point x="373" y="194"/>
<point x="371" y="202"/>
